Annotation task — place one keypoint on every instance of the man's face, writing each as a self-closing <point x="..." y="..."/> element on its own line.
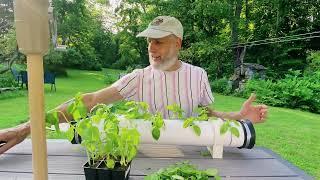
<point x="163" y="52"/>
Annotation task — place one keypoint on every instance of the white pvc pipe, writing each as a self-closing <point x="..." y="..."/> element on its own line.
<point x="174" y="133"/>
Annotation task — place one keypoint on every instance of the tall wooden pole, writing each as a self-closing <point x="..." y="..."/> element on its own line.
<point x="32" y="32"/>
<point x="36" y="110"/>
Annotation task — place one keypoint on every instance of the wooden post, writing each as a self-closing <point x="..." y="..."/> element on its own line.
<point x="32" y="32"/>
<point x="36" y="110"/>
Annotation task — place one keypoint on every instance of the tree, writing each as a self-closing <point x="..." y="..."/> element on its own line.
<point x="6" y="16"/>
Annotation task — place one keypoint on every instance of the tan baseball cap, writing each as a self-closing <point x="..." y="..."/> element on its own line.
<point x="162" y="26"/>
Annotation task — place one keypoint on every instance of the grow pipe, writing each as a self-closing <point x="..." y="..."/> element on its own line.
<point x="173" y="133"/>
<point x="32" y="34"/>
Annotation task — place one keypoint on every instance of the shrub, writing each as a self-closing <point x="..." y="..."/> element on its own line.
<point x="221" y="86"/>
<point x="7" y="80"/>
<point x="294" y="91"/>
<point x="313" y="60"/>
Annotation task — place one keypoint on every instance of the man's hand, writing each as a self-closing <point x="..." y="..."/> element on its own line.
<point x="255" y="114"/>
<point x="12" y="136"/>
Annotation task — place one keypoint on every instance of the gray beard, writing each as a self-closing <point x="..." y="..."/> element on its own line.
<point x="165" y="66"/>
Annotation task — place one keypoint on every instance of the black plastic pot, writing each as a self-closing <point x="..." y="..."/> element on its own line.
<point x="118" y="173"/>
<point x="121" y="173"/>
<point x="103" y="172"/>
<point x="90" y="172"/>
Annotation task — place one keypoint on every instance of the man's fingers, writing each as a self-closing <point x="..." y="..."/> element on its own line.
<point x="6" y="146"/>
<point x="264" y="116"/>
<point x="251" y="99"/>
<point x="262" y="106"/>
<point x="263" y="110"/>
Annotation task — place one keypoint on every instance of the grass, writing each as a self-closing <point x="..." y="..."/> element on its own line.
<point x="293" y="134"/>
<point x="14" y="110"/>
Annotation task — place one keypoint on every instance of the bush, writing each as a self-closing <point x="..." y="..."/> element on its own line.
<point x="313" y="60"/>
<point x="294" y="91"/>
<point x="83" y="58"/>
<point x="7" y="80"/>
<point x="221" y="86"/>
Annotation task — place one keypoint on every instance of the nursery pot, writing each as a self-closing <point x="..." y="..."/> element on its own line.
<point x="90" y="172"/>
<point x="118" y="173"/>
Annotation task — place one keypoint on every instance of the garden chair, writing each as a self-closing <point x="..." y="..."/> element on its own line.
<point x="50" y="78"/>
<point x="24" y="78"/>
<point x="16" y="74"/>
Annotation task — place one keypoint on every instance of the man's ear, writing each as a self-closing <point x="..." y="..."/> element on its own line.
<point x="178" y="43"/>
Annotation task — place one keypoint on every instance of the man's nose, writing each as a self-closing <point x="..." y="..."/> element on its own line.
<point x="152" y="46"/>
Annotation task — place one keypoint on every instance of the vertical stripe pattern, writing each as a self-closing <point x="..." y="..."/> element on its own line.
<point x="188" y="87"/>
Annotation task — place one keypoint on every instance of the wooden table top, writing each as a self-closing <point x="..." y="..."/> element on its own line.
<point x="65" y="162"/>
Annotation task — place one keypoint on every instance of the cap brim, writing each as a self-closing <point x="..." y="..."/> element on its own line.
<point x="153" y="33"/>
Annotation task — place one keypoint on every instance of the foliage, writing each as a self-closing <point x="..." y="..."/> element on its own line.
<point x="140" y="110"/>
<point x="7" y="80"/>
<point x="183" y="170"/>
<point x="221" y="86"/>
<point x="93" y="46"/>
<point x="6" y="18"/>
<point x="54" y="61"/>
<point x="293" y="91"/>
<point x="313" y="60"/>
<point x="7" y="44"/>
<point x="111" y="143"/>
<point x="212" y="27"/>
<point x="229" y="125"/>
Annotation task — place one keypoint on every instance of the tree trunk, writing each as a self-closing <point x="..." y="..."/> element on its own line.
<point x="234" y="33"/>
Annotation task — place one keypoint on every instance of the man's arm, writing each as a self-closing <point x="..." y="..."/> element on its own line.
<point x="255" y="113"/>
<point x="106" y="96"/>
<point x="12" y="136"/>
<point x="224" y="115"/>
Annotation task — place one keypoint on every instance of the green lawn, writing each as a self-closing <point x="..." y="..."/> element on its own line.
<point x="293" y="134"/>
<point x="15" y="110"/>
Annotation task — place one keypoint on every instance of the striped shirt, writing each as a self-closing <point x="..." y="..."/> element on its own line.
<point x="188" y="87"/>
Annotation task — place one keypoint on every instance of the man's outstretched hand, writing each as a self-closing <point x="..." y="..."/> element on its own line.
<point x="12" y="136"/>
<point x="255" y="113"/>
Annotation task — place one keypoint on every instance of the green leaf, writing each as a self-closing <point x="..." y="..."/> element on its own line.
<point x="52" y="119"/>
<point x="70" y="108"/>
<point x="110" y="163"/>
<point x="211" y="172"/>
<point x="224" y="128"/>
<point x="70" y="133"/>
<point x="177" y="177"/>
<point x="156" y="133"/>
<point x="197" y="130"/>
<point x="235" y="131"/>
<point x="188" y="122"/>
<point x="82" y="111"/>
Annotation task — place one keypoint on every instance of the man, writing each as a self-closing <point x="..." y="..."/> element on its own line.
<point x="166" y="81"/>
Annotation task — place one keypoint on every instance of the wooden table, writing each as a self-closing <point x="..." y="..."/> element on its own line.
<point x="65" y="162"/>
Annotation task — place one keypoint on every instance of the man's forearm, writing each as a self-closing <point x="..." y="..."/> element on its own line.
<point x="225" y="115"/>
<point x="24" y="129"/>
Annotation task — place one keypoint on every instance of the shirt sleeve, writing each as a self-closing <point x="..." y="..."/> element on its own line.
<point x="127" y="85"/>
<point x="206" y="97"/>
